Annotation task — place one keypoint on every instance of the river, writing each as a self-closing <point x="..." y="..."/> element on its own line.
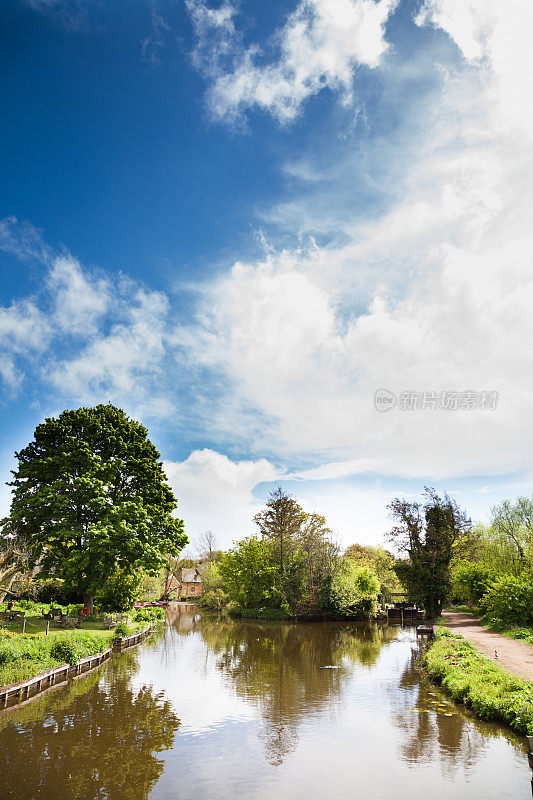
<point x="224" y="709"/>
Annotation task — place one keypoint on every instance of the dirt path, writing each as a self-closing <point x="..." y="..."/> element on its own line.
<point x="513" y="655"/>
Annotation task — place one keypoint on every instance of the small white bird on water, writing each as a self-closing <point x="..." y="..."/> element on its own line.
<point x="495" y="654"/>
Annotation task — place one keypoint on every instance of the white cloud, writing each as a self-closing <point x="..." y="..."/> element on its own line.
<point x="80" y="300"/>
<point x="124" y="363"/>
<point x="318" y="47"/>
<point x="435" y="294"/>
<point x="215" y="493"/>
<point x="498" y="35"/>
<point x="23" y="240"/>
<point x="24" y="331"/>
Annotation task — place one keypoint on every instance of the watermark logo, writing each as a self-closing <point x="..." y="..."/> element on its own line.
<point x="469" y="400"/>
<point x="384" y="400"/>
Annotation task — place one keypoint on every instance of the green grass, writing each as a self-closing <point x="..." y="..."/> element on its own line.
<point x="463" y="609"/>
<point x="522" y="632"/>
<point x="22" y="657"/>
<point x="480" y="684"/>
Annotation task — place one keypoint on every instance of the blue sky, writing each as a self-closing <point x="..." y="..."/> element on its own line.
<point x="239" y="220"/>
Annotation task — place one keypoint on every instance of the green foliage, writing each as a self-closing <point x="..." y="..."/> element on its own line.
<point x="120" y="591"/>
<point x="213" y="596"/>
<point x="21" y="657"/>
<point x="353" y="591"/>
<point x="509" y="600"/>
<point x="279" y="523"/>
<point x="428" y="534"/>
<point x="248" y="571"/>
<point x="91" y="498"/>
<point x="511" y="536"/>
<point x="122" y="629"/>
<point x="479" y="683"/>
<point x="149" y="614"/>
<point x="55" y="591"/>
<point x="380" y="561"/>
<point x="470" y="580"/>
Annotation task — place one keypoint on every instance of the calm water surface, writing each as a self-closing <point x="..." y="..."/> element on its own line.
<point x="218" y="709"/>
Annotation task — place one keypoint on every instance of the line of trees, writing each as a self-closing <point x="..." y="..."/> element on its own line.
<point x="92" y="510"/>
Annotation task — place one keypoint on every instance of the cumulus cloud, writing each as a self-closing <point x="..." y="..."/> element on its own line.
<point x="227" y="484"/>
<point x="126" y="362"/>
<point x="433" y="295"/>
<point x="318" y="47"/>
<point x="79" y="298"/>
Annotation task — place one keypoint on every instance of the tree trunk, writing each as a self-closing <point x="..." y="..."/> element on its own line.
<point x="88" y="601"/>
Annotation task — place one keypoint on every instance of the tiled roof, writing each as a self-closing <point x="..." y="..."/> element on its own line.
<point x="190" y="576"/>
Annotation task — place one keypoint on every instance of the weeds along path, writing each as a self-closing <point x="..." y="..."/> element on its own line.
<point x="514" y="656"/>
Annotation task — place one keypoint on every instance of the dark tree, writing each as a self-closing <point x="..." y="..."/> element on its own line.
<point x="90" y="497"/>
<point x="427" y="533"/>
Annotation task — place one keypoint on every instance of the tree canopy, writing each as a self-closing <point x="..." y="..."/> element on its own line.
<point x="91" y="499"/>
<point x="427" y="533"/>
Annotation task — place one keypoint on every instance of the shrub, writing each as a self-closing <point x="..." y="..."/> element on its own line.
<point x="120" y="592"/>
<point x="470" y="581"/>
<point x="353" y="592"/>
<point x="55" y="592"/>
<point x="64" y="651"/>
<point x="149" y="614"/>
<point x="122" y="629"/>
<point x="509" y="600"/>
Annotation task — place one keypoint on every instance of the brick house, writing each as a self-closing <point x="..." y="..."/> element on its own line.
<point x="189" y="582"/>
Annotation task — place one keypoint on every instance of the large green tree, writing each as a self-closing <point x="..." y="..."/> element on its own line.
<point x="90" y="497"/>
<point x="280" y="522"/>
<point x="427" y="533"/>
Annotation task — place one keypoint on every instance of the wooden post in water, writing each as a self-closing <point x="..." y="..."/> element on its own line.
<point x="402" y="616"/>
<point x="47" y="626"/>
<point x="23" y="624"/>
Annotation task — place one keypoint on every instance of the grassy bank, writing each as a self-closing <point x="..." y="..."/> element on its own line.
<point x="22" y="657"/>
<point x="523" y="633"/>
<point x="481" y="685"/>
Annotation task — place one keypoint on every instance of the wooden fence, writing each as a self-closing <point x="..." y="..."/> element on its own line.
<point x="37" y="684"/>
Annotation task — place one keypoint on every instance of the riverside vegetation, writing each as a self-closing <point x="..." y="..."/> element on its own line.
<point x="481" y="685"/>
<point x="24" y="656"/>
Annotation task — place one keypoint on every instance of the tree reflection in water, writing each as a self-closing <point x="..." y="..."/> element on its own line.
<point x="277" y="667"/>
<point x="435" y="730"/>
<point x="96" y="738"/>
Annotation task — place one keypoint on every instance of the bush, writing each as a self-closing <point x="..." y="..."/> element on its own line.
<point x="353" y="592"/>
<point x="120" y="592"/>
<point x="470" y="581"/>
<point x="122" y="629"/>
<point x="64" y="651"/>
<point x="509" y="600"/>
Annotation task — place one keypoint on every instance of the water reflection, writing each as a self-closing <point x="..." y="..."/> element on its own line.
<point x="96" y="738"/>
<point x="233" y="710"/>
<point x="289" y="671"/>
<point x="436" y="730"/>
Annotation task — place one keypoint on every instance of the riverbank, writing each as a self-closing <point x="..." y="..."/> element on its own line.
<point x="513" y="655"/>
<point x="480" y="684"/>
<point x="25" y="656"/>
